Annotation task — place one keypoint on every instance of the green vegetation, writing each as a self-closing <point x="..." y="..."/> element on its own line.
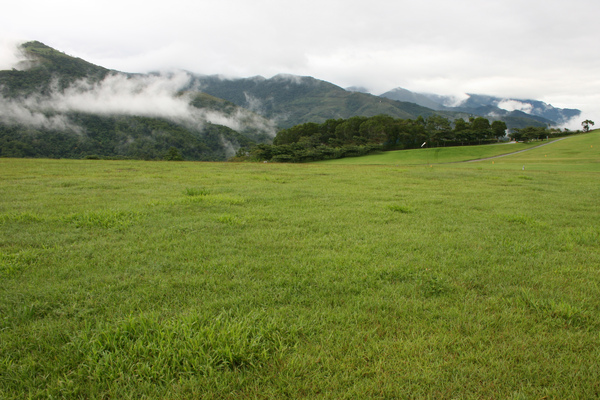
<point x="131" y="279"/>
<point x="295" y="100"/>
<point x="576" y="152"/>
<point x="39" y="118"/>
<point x="27" y="131"/>
<point x="358" y="136"/>
<point x="436" y="155"/>
<point x="586" y="125"/>
<point x="120" y="137"/>
<point x="48" y="67"/>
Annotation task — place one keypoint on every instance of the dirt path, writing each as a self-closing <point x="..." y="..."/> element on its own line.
<point x="514" y="152"/>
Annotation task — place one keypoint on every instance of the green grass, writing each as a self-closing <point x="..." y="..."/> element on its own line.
<point x="575" y="153"/>
<point x="130" y="279"/>
<point x="434" y="155"/>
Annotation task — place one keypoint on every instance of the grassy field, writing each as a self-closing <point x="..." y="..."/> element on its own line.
<point x="128" y="279"/>
<point x="435" y="155"/>
<point x="574" y="153"/>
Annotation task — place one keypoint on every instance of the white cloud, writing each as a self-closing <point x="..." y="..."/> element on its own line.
<point x="515" y="105"/>
<point x="10" y="56"/>
<point x="506" y="48"/>
<point x="17" y="112"/>
<point x="118" y="94"/>
<point x="160" y="95"/>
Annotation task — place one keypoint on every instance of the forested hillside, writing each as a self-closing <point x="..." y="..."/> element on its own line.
<point x="292" y="100"/>
<point x="45" y="69"/>
<point x="58" y="106"/>
<point x="122" y="137"/>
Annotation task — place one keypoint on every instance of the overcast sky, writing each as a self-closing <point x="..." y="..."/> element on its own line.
<point x="540" y="49"/>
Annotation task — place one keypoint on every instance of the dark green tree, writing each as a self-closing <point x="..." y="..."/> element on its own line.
<point x="374" y="129"/>
<point x="350" y="128"/>
<point x="462" y="130"/>
<point x="586" y="125"/>
<point x="481" y="128"/>
<point x="529" y="133"/>
<point x="438" y="129"/>
<point x="173" y="154"/>
<point x="498" y="129"/>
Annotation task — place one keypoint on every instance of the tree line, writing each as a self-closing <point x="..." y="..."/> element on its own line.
<point x="356" y="136"/>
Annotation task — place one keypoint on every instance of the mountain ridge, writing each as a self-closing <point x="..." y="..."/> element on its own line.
<point x="487" y="106"/>
<point x="207" y="117"/>
<point x="291" y="100"/>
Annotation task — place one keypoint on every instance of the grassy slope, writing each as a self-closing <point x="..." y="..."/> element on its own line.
<point x="432" y="155"/>
<point x="574" y="153"/>
<point x="578" y="152"/>
<point x="188" y="280"/>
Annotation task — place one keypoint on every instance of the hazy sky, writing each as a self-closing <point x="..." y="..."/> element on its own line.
<point x="541" y="49"/>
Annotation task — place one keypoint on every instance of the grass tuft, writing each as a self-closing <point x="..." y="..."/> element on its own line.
<point x="400" y="209"/>
<point x="230" y="219"/>
<point x="12" y="265"/>
<point x="159" y="351"/>
<point x="193" y="192"/>
<point x="25" y="217"/>
<point x="102" y="219"/>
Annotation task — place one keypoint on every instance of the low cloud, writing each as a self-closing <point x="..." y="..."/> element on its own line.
<point x="296" y="79"/>
<point x="572" y="124"/>
<point x="165" y="95"/>
<point x="456" y="100"/>
<point x="10" y="55"/>
<point x="240" y="121"/>
<point x="228" y="147"/>
<point x="515" y="105"/>
<point x="19" y="113"/>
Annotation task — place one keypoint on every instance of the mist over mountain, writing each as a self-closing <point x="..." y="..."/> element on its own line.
<point x="507" y="109"/>
<point x="291" y="100"/>
<point x="55" y="105"/>
<point x="61" y="106"/>
<point x="402" y="94"/>
<point x="360" y="89"/>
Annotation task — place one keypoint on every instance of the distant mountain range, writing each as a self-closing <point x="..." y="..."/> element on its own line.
<point x="55" y="105"/>
<point x="291" y="100"/>
<point x="488" y="106"/>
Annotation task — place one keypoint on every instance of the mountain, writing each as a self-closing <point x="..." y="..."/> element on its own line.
<point x="360" y="89"/>
<point x="401" y="94"/>
<point x="291" y="100"/>
<point x="515" y="112"/>
<point x="55" y="105"/>
<point x="45" y="69"/>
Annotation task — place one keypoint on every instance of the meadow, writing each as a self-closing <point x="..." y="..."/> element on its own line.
<point x="434" y="155"/>
<point x="187" y="280"/>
